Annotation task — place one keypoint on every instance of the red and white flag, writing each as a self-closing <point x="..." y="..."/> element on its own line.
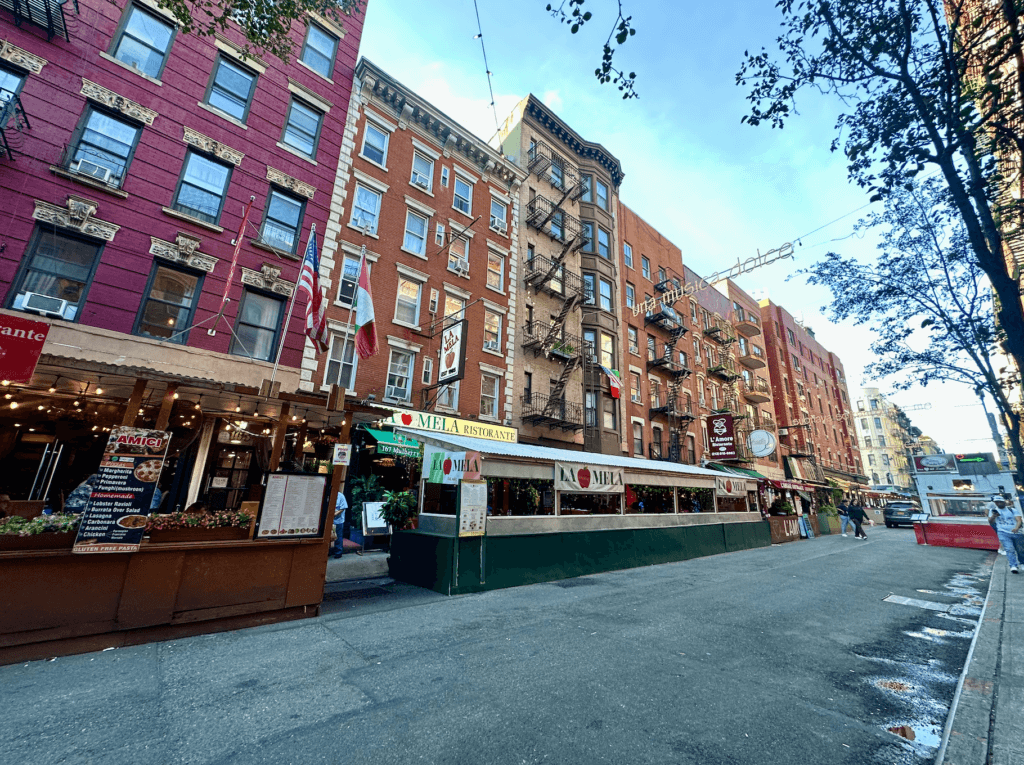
<point x="366" y="327"/>
<point x="316" y="300"/>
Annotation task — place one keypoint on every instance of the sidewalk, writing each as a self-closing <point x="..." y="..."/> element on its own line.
<point x="372" y="564"/>
<point x="987" y="726"/>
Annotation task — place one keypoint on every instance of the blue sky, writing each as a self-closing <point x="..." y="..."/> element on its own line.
<point x="717" y="188"/>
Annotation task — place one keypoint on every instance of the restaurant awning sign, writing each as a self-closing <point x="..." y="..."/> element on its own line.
<point x="588" y="478"/>
<point x="450" y="467"/>
<point x="721" y="437"/>
<point x="730" y="487"/>
<point x="21" y="343"/>
<point x="456" y="427"/>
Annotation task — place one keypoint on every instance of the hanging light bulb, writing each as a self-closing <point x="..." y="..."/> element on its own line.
<point x="99" y="391"/>
<point x="197" y="405"/>
<point x="14" y="405"/>
<point x="175" y="396"/>
<point x="40" y="407"/>
<point x="75" y="403"/>
<point x="53" y="388"/>
<point x="8" y="396"/>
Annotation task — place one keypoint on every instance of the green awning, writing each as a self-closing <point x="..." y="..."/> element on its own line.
<point x="737" y="470"/>
<point x="394" y="443"/>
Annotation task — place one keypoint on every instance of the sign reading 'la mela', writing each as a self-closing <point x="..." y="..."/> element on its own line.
<point x="21" y="342"/>
<point x="588" y="478"/>
<point x="441" y="424"/>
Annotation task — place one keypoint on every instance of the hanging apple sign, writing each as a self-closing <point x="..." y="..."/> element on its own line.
<point x="453" y="353"/>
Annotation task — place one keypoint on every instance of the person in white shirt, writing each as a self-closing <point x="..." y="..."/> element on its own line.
<point x="1008" y="522"/>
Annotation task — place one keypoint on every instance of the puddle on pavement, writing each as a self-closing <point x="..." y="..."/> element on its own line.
<point x="920" y="732"/>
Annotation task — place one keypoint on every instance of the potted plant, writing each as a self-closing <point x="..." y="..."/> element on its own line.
<point x="199" y="527"/>
<point x="781" y="507"/>
<point x="399" y="509"/>
<point x="44" y="532"/>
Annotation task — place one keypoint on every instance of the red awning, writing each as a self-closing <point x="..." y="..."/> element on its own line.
<point x="792" y="485"/>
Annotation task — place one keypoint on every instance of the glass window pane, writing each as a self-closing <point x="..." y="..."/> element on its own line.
<point x="375" y="144"/>
<point x="319" y="51"/>
<point x="281" y="226"/>
<point x="231" y="88"/>
<point x="144" y="42"/>
<point x="202" y="187"/>
<point x="9" y="83"/>
<point x="364" y="212"/>
<point x="106" y="142"/>
<point x="301" y="130"/>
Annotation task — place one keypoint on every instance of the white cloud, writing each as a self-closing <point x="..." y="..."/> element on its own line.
<point x="552" y="100"/>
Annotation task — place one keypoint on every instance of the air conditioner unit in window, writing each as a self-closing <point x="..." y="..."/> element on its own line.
<point x="461" y="267"/>
<point x="44" y="304"/>
<point x="93" y="170"/>
<point x="491" y="345"/>
<point x="421" y="181"/>
<point x="497" y="224"/>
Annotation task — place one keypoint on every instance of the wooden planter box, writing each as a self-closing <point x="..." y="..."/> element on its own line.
<point x="784" y="528"/>
<point x="218" y="534"/>
<point x="48" y="540"/>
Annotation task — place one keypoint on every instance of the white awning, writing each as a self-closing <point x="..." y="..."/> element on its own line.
<point x="683" y="475"/>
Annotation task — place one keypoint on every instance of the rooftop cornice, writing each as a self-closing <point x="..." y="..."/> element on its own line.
<point x="409" y="107"/>
<point x="586" y="149"/>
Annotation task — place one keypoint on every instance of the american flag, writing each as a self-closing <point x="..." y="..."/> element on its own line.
<point x="316" y="300"/>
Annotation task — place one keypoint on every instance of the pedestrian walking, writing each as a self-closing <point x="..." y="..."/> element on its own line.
<point x="340" y="506"/>
<point x="844" y="518"/>
<point x="858" y="516"/>
<point x="1008" y="521"/>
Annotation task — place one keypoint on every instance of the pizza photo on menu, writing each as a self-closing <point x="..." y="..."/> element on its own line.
<point x="148" y="471"/>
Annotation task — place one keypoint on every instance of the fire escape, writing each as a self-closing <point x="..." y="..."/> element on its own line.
<point x="676" y="411"/>
<point x="550" y="276"/>
<point x="45" y="14"/>
<point x="12" y="118"/>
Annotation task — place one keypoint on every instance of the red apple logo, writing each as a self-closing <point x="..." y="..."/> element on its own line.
<point x="447" y="467"/>
<point x="407" y="419"/>
<point x="583" y="478"/>
<point x="728" y="487"/>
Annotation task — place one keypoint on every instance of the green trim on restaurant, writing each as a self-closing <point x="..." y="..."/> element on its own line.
<point x="394" y="443"/>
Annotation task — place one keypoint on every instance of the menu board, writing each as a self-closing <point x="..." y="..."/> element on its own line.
<point x="473" y="509"/>
<point x="293" y="507"/>
<point x="122" y="491"/>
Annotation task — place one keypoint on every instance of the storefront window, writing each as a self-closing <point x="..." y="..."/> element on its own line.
<point x="732" y="505"/>
<point x="696" y="500"/>
<point x="649" y="499"/>
<point x="520" y="497"/>
<point x="439" y="498"/>
<point x="591" y="504"/>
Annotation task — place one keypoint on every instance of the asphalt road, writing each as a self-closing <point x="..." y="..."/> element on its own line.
<point x="781" y="655"/>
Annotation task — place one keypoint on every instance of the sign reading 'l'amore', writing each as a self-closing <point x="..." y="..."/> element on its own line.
<point x="721" y="437"/>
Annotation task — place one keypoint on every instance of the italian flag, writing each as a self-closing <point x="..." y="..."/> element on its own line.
<point x="366" y="328"/>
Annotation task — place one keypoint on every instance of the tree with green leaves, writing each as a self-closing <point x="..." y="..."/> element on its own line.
<point x="266" y="24"/>
<point x="924" y="84"/>
<point x="926" y="299"/>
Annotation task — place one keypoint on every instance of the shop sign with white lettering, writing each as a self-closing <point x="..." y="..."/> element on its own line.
<point x="21" y="342"/>
<point x="721" y="437"/>
<point x="587" y="478"/>
<point x="450" y="467"/>
<point x="122" y="491"/>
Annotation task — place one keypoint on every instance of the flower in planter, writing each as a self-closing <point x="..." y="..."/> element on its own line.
<point x="213" y="520"/>
<point x="56" y="524"/>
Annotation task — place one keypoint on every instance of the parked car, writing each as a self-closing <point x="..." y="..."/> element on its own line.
<point x="901" y="512"/>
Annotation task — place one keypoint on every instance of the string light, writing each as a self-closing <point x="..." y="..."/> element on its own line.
<point x="14" y="405"/>
<point x="99" y="391"/>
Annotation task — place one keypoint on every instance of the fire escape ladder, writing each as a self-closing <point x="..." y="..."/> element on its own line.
<point x="558" y="391"/>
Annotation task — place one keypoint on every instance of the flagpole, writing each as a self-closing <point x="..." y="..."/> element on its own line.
<point x="234" y="264"/>
<point x="291" y="304"/>
<point x="352" y="307"/>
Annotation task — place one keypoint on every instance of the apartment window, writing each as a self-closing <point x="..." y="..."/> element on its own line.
<point x="696" y="351"/>
<point x="428" y="370"/>
<point x="458" y="255"/>
<point x="874" y="403"/>
<point x="630" y="295"/>
<point x="407" y="303"/>
<point x="864" y="425"/>
<point x="495" y="270"/>
<point x="604" y="246"/>
<point x="498" y="214"/>
<point x="611" y="410"/>
<point x="341" y="362"/>
<point x="302" y="128"/>
<point x="143" y="41"/>
<point x="885" y="460"/>
<point x="662" y="276"/>
<point x="682" y="360"/>
<point x="588" y="235"/>
<point x="415" y="233"/>
<point x="655" y="387"/>
<point x="714" y="397"/>
<point x="796" y="362"/>
<point x="645" y="266"/>
<point x="463" y="201"/>
<point x="366" y="209"/>
<point x="444" y="177"/>
<point x="528" y="387"/>
<point x="602" y="194"/>
<point x="319" y="50"/>
<point x="202" y="187"/>
<point x="590" y="409"/>
<point x="454" y="309"/>
<point x="489" y="396"/>
<point x="103" y="146"/>
<point x="606" y="295"/>
<point x="792" y="337"/>
<point x="881" y="441"/>
<point x="634" y="387"/>
<point x="589" y="289"/>
<point x="652" y="348"/>
<point x="257" y="326"/>
<point x="634" y="340"/>
<point x="878" y="422"/>
<point x="422" y="172"/>
<point x="349" y="279"/>
<point x="438" y="234"/>
<point x="627" y="254"/>
<point x="282" y="221"/>
<point x="231" y="88"/>
<point x="867" y="442"/>
<point x="558" y="226"/>
<point x="169" y="304"/>
<point x="492" y="330"/>
<point x="59" y="268"/>
<point x="399" y="382"/>
<point x="638" y="439"/>
<point x="590" y="342"/>
<point x="375" y="144"/>
<point x="10" y="83"/>
<point x="588" y="188"/>
<point x="607" y="350"/>
<point x="448" y="396"/>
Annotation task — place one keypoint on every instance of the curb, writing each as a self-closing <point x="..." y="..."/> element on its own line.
<point x="969" y="726"/>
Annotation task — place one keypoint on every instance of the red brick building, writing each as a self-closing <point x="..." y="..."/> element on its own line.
<point x="436" y="209"/>
<point x="811" y="401"/>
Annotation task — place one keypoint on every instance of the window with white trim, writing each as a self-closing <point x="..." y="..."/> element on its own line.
<point x="341" y="362"/>
<point x="638" y="439"/>
<point x="492" y="330"/>
<point x="422" y="172"/>
<point x="645" y="266"/>
<point x="458" y="256"/>
<point x="634" y="387"/>
<point x="607" y="350"/>
<point x="463" y="199"/>
<point x="428" y="370"/>
<point x="439" y="235"/>
<point x="498" y="216"/>
<point x="366" y="209"/>
<point x="444" y="177"/>
<point x="634" y="340"/>
<point x="448" y="395"/>
<point x="630" y="295"/>
<point x="415" y="233"/>
<point x="495" y="270"/>
<point x="302" y="128"/>
<point x="606" y="295"/>
<point x="407" y="303"/>
<point x="399" y="382"/>
<point x="587" y="182"/>
<point x="319" y="50"/>
<point x="375" y="144"/>
<point x="489" y="385"/>
<point x="454" y="309"/>
<point x="627" y="254"/>
<point x="349" y="280"/>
